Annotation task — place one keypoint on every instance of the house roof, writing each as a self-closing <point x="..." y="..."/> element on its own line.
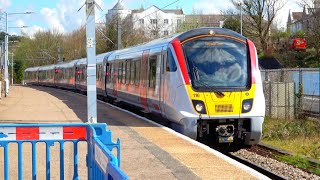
<point x="174" y="11"/>
<point x="296" y="16"/>
<point x="118" y="6"/>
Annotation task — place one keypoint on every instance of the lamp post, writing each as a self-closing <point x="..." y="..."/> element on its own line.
<point x="12" y="69"/>
<point x="6" y="61"/>
<point x="240" y="6"/>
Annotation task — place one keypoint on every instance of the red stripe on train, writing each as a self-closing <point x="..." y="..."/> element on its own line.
<point x="182" y="63"/>
<point x="253" y="60"/>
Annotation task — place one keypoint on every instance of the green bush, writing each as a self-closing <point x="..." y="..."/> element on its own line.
<point x="19" y="67"/>
<point x="285" y="130"/>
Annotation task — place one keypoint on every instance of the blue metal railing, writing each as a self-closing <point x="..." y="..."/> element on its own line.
<point x="101" y="162"/>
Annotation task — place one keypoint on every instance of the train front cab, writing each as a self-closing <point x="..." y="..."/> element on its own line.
<point x="223" y="84"/>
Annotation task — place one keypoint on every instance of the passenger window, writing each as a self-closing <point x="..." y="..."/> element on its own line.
<point x="124" y="67"/>
<point x="170" y="65"/>
<point x="152" y="71"/>
<point x="128" y="72"/>
<point x="120" y="72"/>
<point x="132" y="71"/>
<point x="137" y="72"/>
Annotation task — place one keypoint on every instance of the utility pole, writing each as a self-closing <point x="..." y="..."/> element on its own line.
<point x="119" y="31"/>
<point x="6" y="74"/>
<point x="241" y="18"/>
<point x="91" y="62"/>
<point x="11" y="68"/>
<point x="59" y="55"/>
<point x="240" y="6"/>
<point x="6" y="60"/>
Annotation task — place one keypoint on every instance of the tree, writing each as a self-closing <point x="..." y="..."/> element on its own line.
<point x="132" y="36"/>
<point x="157" y="24"/>
<point x="232" y="20"/>
<point x="259" y="16"/>
<point x="232" y="23"/>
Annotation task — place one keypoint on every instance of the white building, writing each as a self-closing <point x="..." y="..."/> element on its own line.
<point x="118" y="10"/>
<point x="153" y="21"/>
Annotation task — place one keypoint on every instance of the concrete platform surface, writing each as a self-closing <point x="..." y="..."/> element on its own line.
<point x="147" y="150"/>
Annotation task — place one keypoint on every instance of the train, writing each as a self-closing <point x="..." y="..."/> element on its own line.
<point x="206" y="82"/>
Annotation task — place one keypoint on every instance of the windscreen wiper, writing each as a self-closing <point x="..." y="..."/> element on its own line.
<point x="211" y="88"/>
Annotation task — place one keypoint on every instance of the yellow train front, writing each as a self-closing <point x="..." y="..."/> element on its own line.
<point x="220" y="98"/>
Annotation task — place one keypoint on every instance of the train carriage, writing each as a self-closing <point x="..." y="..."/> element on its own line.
<point x="46" y="75"/>
<point x="65" y="74"/>
<point x="31" y="76"/>
<point x="81" y="75"/>
<point x="205" y="82"/>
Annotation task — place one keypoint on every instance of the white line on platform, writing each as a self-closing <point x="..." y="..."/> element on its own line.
<point x="194" y="142"/>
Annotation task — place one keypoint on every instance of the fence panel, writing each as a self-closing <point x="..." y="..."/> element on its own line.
<point x="53" y="140"/>
<point x="290" y="92"/>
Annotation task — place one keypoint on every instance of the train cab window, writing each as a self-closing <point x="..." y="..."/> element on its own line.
<point x="170" y="65"/>
<point x="219" y="62"/>
<point x="152" y="71"/>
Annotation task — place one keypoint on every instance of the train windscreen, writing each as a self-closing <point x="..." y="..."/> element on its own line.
<point x="217" y="62"/>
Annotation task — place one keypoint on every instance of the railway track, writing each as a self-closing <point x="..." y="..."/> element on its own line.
<point x="258" y="168"/>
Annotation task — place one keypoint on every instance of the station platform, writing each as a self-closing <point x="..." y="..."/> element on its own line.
<point x="148" y="150"/>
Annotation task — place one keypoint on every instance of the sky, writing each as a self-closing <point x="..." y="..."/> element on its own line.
<point x="63" y="15"/>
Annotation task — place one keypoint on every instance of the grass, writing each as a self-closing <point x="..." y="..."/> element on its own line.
<point x="300" y="162"/>
<point x="299" y="137"/>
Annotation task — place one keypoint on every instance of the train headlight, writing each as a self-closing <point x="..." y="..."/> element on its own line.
<point x="199" y="106"/>
<point x="246" y="105"/>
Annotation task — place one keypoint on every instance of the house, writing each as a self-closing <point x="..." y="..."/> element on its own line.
<point x="305" y="20"/>
<point x="152" y="22"/>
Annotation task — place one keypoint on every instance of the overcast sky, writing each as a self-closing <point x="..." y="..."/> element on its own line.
<point x="63" y="15"/>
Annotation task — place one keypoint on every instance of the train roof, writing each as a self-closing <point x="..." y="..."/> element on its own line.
<point x="181" y="37"/>
<point x="207" y="30"/>
<point x="47" y="67"/>
<point x="81" y="61"/>
<point x="100" y="57"/>
<point x="66" y="64"/>
<point x="32" y="69"/>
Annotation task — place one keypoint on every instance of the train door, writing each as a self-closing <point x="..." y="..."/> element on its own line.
<point x="162" y="80"/>
<point x="143" y="80"/>
<point x="154" y="79"/>
<point x="77" y="77"/>
<point x="116" y="80"/>
<point x="107" y="77"/>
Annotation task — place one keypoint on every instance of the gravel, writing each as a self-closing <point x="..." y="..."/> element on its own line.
<point x="280" y="168"/>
